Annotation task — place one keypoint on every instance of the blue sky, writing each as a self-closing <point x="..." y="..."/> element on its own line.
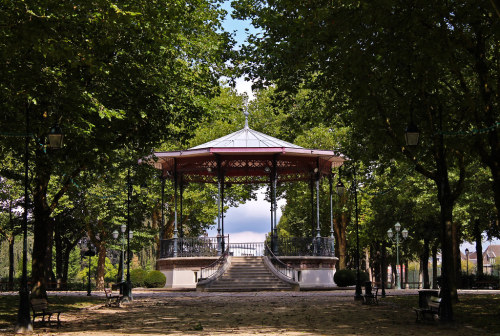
<point x="249" y="222"/>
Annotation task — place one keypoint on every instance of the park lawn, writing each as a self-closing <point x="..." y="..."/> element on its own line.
<point x="478" y="311"/>
<point x="9" y="305"/>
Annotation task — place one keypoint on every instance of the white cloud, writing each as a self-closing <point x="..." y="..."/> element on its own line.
<point x="247" y="237"/>
<point x="253" y="216"/>
<point x="243" y="86"/>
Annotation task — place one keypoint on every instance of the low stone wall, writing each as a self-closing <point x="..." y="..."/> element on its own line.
<point x="313" y="272"/>
<point x="183" y="272"/>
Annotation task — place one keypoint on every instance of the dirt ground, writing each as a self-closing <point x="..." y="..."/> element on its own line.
<point x="271" y="313"/>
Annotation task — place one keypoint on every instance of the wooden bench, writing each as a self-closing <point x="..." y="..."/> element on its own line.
<point x="112" y="298"/>
<point x="433" y="309"/>
<point x="40" y="307"/>
<point x="371" y="294"/>
<point x="371" y="297"/>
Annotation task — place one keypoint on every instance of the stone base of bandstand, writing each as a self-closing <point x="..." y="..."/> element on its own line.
<point x="183" y="272"/>
<point x="313" y="272"/>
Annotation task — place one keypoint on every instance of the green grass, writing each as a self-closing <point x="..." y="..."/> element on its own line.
<point x="478" y="311"/>
<point x="9" y="305"/>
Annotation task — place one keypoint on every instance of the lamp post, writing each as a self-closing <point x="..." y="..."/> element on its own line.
<point x="404" y="235"/>
<point x="467" y="260"/>
<point x="89" y="253"/>
<point x="123" y="228"/>
<point x="23" y="315"/>
<point x="125" y="286"/>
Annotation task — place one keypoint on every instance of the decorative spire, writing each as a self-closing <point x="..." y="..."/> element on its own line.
<point x="246" y="113"/>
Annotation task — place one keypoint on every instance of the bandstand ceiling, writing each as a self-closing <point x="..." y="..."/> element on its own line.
<point x="246" y="156"/>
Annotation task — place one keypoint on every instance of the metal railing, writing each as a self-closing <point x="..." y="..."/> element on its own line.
<point x="298" y="246"/>
<point x="214" y="269"/>
<point x="246" y="249"/>
<point x="211" y="247"/>
<point x="280" y="266"/>
<point x="193" y="247"/>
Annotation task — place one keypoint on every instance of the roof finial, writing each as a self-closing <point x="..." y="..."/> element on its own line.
<point x="246" y="113"/>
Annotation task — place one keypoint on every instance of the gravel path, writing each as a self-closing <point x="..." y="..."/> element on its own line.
<point x="265" y="313"/>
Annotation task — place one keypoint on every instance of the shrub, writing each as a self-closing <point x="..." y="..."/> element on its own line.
<point x="138" y="277"/>
<point x="344" y="278"/>
<point x="363" y="277"/>
<point x="155" y="279"/>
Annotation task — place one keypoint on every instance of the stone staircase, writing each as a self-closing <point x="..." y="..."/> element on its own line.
<point x="248" y="274"/>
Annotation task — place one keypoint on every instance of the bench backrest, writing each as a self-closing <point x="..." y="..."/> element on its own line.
<point x="39" y="304"/>
<point x="108" y="291"/>
<point x="434" y="302"/>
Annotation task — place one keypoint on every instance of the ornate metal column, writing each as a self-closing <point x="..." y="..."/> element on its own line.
<point x="332" y="236"/>
<point x="311" y="189"/>
<point x="219" y="243"/>
<point x="181" y="196"/>
<point x="357" y="295"/>
<point x="223" y="243"/>
<point x="176" y="232"/>
<point x="274" y="204"/>
<point x="271" y="186"/>
<point x="162" y="228"/>
<point x="318" y="229"/>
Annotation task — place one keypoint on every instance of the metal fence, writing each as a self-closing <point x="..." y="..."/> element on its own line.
<point x="193" y="247"/>
<point x="209" y="246"/>
<point x="246" y="249"/>
<point x="298" y="246"/>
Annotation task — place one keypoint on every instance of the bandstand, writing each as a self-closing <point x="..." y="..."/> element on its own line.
<point x="214" y="263"/>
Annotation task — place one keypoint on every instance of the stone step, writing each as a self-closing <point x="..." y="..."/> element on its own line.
<point x="272" y="281"/>
<point x="246" y="274"/>
<point x="248" y="289"/>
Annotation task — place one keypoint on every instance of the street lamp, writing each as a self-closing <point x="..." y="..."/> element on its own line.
<point x="123" y="228"/>
<point x="467" y="256"/>
<point x="125" y="286"/>
<point x="56" y="137"/>
<point x="89" y="253"/>
<point x="412" y="134"/>
<point x="23" y="315"/>
<point x="404" y="235"/>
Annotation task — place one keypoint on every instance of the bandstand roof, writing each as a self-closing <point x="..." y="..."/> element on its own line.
<point x="246" y="156"/>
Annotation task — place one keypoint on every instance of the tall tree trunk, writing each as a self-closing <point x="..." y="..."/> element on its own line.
<point x="368" y="268"/>
<point x="43" y="228"/>
<point x="434" y="266"/>
<point x="407" y="271"/>
<point x="456" y="253"/>
<point x="424" y="264"/>
<point x="339" y="227"/>
<point x="59" y="254"/>
<point x="383" y="265"/>
<point x="11" y="249"/>
<point x="101" y="262"/>
<point x="479" y="247"/>
<point x="41" y="246"/>
<point x="11" y="263"/>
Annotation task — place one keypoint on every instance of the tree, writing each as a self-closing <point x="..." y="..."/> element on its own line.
<point x="389" y="63"/>
<point x="113" y="76"/>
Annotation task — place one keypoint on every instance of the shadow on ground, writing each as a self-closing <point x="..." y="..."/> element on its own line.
<point x="244" y="315"/>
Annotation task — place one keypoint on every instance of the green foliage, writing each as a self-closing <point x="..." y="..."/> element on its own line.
<point x="138" y="277"/>
<point x="155" y="279"/>
<point x="363" y="277"/>
<point x="345" y="278"/>
<point x="110" y="270"/>
<point x="74" y="263"/>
